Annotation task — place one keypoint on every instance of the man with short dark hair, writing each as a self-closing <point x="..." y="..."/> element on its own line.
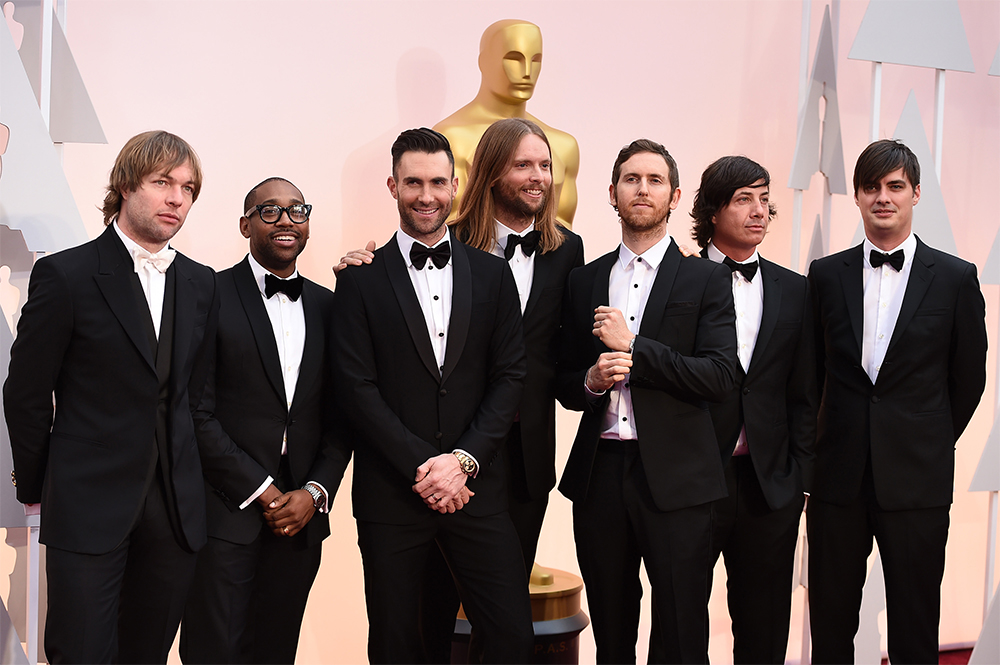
<point x="901" y="340"/>
<point x="647" y="341"/>
<point x="265" y="428"/>
<point x="429" y="371"/>
<point x="119" y="329"/>
<point x="766" y="426"/>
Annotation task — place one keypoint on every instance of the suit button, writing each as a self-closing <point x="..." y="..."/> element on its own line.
<point x="874" y="399"/>
<point x="443" y="392"/>
<point x="746" y="391"/>
<point x="438" y="435"/>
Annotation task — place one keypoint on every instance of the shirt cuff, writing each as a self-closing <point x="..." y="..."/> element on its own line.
<point x="473" y="457"/>
<point x="591" y="395"/>
<point x="326" y="496"/>
<point x="260" y="490"/>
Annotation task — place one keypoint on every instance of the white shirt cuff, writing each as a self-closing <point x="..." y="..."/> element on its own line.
<point x="260" y="490"/>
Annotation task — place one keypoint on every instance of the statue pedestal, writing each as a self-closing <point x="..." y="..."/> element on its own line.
<point x="555" y="614"/>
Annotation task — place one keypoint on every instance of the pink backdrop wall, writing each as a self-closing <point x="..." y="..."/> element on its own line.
<point x="316" y="91"/>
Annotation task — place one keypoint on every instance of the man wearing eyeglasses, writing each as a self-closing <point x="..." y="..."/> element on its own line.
<point x="264" y="429"/>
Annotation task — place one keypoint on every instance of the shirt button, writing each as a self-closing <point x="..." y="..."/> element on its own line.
<point x="881" y="336"/>
<point x="440" y="334"/>
<point x="639" y="259"/>
<point x="635" y="286"/>
<point x="624" y="419"/>
<point x="631" y="318"/>
<point x="430" y="266"/>
<point x="288" y="333"/>
<point x="436" y="298"/>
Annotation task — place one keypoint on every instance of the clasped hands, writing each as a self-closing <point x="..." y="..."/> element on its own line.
<point x="286" y="514"/>
<point x="612" y="366"/>
<point x="440" y="482"/>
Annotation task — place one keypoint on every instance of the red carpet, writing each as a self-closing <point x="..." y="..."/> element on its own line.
<point x="956" y="657"/>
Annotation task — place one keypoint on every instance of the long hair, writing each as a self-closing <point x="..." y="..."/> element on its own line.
<point x="142" y="155"/>
<point x="475" y="223"/>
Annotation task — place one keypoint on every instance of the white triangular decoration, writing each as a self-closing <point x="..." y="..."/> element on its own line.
<point x="991" y="270"/>
<point x="929" y="33"/>
<point x="816" y="249"/>
<point x="995" y="67"/>
<point x="819" y="148"/>
<point x="987" y="649"/>
<point x="34" y="194"/>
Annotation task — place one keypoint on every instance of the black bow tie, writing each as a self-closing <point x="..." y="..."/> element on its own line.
<point x="439" y="255"/>
<point x="895" y="259"/>
<point x="290" y="287"/>
<point x="528" y="243"/>
<point x="748" y="269"/>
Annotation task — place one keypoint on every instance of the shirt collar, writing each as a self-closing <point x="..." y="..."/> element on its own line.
<point x="652" y="256"/>
<point x="405" y="242"/>
<point x="716" y="255"/>
<point x="259" y="272"/>
<point x="909" y="247"/>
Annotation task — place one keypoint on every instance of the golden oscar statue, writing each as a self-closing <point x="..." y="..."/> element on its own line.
<point x="510" y="58"/>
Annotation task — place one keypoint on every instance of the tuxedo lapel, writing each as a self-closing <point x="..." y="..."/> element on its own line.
<point x="115" y="276"/>
<point x="539" y="279"/>
<point x="395" y="267"/>
<point x="660" y="292"/>
<point x="260" y="325"/>
<point x="851" y="279"/>
<point x="769" y="309"/>
<point x="312" y="352"/>
<point x="461" y="306"/>
<point x="601" y="293"/>
<point x="921" y="276"/>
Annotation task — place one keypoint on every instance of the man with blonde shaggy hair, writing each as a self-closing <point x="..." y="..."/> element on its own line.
<point x="117" y="330"/>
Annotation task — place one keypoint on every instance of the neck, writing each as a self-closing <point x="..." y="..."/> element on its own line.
<point x="739" y="254"/>
<point x="640" y="241"/>
<point x="429" y="238"/>
<point x="514" y="222"/>
<point x="887" y="242"/>
<point x="500" y="108"/>
<point x="282" y="270"/>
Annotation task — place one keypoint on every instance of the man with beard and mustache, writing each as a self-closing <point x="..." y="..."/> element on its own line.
<point x="429" y="373"/>
<point x="265" y="430"/>
<point x="648" y="340"/>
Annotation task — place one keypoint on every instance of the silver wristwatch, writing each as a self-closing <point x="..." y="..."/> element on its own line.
<point x="316" y="494"/>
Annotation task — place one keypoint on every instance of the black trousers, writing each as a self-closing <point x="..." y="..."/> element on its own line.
<point x="618" y="527"/>
<point x="484" y="558"/>
<point x="123" y="606"/>
<point x="526" y="512"/>
<point x="912" y="547"/>
<point x="758" y="545"/>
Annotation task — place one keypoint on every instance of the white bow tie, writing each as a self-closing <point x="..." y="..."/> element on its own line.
<point x="160" y="260"/>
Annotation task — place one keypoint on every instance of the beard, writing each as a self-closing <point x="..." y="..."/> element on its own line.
<point x="507" y="199"/>
<point x="421" y="228"/>
<point x="644" y="219"/>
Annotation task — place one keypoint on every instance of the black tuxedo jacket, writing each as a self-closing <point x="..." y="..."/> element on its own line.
<point x="244" y="412"/>
<point x="542" y="317"/>
<point x="403" y="409"/>
<point x="928" y="387"/>
<point x="683" y="358"/>
<point x="776" y="397"/>
<point x="84" y="335"/>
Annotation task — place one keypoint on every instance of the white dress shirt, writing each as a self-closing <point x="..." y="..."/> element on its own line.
<point x="522" y="265"/>
<point x="288" y="324"/>
<point x="434" y="288"/>
<point x="748" y="297"/>
<point x="154" y="282"/>
<point x="884" y="289"/>
<point x="631" y="279"/>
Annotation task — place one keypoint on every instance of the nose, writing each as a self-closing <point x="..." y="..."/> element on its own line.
<point x="175" y="196"/>
<point x="284" y="219"/>
<point x="759" y="209"/>
<point x="643" y="187"/>
<point x="882" y="196"/>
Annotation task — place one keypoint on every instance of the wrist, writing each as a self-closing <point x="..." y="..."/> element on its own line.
<point x="318" y="498"/>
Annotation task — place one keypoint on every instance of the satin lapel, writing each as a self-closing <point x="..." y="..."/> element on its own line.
<point x="854" y="292"/>
<point x="185" y="311"/>
<point x="114" y="279"/>
<point x="539" y="279"/>
<point x="395" y="268"/>
<point x="461" y="306"/>
<point x="921" y="276"/>
<point x="312" y="353"/>
<point x="658" y="295"/>
<point x="601" y="293"/>
<point x="769" y="310"/>
<point x="260" y="326"/>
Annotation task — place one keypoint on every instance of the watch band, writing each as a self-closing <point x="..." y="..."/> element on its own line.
<point x="316" y="494"/>
<point x="468" y="464"/>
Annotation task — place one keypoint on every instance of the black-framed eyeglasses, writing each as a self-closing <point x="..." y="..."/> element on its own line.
<point x="270" y="213"/>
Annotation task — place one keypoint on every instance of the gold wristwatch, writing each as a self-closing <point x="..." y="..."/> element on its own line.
<point x="468" y="464"/>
